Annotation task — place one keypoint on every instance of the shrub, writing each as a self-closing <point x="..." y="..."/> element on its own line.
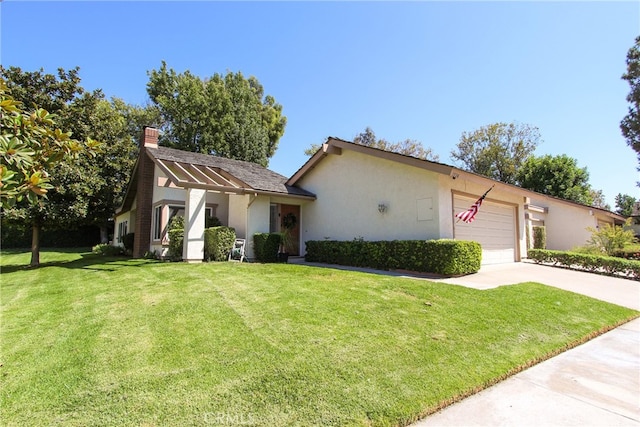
<point x="259" y="240"/>
<point x="539" y="237"/>
<point x="631" y="252"/>
<point x="446" y="257"/>
<point x="107" y="250"/>
<point x="176" y="238"/>
<point x="592" y="263"/>
<point x="127" y="241"/>
<point x="218" y="242"/>
<point x="610" y="238"/>
<point x="211" y="221"/>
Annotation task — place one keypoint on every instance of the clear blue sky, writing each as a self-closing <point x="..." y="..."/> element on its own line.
<point x="421" y="70"/>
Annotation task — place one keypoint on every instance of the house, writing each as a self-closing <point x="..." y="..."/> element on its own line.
<point x="345" y="191"/>
<point x="167" y="182"/>
<point x="364" y="192"/>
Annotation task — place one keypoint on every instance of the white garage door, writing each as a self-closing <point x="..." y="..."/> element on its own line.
<point x="494" y="228"/>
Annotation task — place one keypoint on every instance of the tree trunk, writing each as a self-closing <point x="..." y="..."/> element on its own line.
<point x="35" y="244"/>
<point x="104" y="234"/>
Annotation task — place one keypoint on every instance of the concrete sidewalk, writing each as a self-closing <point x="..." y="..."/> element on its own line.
<point x="594" y="384"/>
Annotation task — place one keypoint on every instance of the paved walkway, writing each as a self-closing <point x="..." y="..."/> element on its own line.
<point x="594" y="384"/>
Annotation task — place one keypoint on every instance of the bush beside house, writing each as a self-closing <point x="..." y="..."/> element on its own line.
<point x="588" y="262"/>
<point x="266" y="246"/>
<point x="539" y="237"/>
<point x="444" y="257"/>
<point x="218" y="242"/>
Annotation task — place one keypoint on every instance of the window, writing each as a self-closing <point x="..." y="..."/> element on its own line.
<point x="273" y="218"/>
<point x="164" y="213"/>
<point x="157" y="222"/>
<point x="122" y="230"/>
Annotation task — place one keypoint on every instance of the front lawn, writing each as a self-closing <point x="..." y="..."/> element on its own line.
<point x="88" y="340"/>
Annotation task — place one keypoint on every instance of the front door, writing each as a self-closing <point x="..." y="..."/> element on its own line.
<point x="295" y="232"/>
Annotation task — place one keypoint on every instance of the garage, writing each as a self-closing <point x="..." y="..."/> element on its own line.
<point x="494" y="228"/>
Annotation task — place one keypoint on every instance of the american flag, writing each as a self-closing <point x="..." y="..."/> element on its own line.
<point x="470" y="214"/>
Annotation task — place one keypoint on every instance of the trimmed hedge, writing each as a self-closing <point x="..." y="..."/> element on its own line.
<point x="258" y="245"/>
<point x="266" y="245"/>
<point x="592" y="263"/>
<point x="539" y="237"/>
<point x="445" y="257"/>
<point x="176" y="238"/>
<point x="218" y="242"/>
<point x="16" y="235"/>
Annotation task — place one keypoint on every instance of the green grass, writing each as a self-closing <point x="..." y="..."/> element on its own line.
<point x="88" y="340"/>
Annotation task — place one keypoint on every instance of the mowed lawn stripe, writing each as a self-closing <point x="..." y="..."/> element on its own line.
<point x="111" y="341"/>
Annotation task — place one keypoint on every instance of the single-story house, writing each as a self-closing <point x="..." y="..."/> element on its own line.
<point x="167" y="182"/>
<point x="345" y="191"/>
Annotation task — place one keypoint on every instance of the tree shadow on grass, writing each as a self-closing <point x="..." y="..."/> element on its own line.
<point x="87" y="261"/>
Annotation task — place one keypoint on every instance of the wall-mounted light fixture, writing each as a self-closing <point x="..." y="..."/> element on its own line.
<point x="382" y="208"/>
<point x="455" y="175"/>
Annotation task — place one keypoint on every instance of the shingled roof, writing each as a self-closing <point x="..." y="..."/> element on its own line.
<point x="246" y="175"/>
<point x="195" y="170"/>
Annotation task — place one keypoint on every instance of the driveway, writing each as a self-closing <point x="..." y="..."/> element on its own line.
<point x="594" y="384"/>
<point x="619" y="291"/>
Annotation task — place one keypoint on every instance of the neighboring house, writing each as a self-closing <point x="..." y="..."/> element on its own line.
<point x="167" y="182"/>
<point x="363" y="192"/>
<point x="345" y="191"/>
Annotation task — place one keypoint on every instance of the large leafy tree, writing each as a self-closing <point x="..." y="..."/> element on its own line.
<point x="625" y="204"/>
<point x="408" y="147"/>
<point x="88" y="190"/>
<point x="497" y="150"/>
<point x="32" y="148"/>
<point x="227" y="116"/>
<point x="557" y="176"/>
<point x="630" y="124"/>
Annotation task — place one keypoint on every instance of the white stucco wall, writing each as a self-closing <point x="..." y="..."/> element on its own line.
<point x="566" y="224"/>
<point x="238" y="214"/>
<point x="349" y="187"/>
<point x="257" y="221"/>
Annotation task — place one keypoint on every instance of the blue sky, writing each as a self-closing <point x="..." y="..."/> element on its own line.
<point x="421" y="70"/>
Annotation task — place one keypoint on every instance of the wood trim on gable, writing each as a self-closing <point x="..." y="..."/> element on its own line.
<point x="336" y="145"/>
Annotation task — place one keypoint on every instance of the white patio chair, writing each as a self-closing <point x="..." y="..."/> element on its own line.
<point x="237" y="251"/>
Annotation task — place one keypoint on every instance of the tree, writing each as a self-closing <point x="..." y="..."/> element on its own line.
<point x="630" y="124"/>
<point x="408" y="147"/>
<point x="227" y="116"/>
<point x="557" y="176"/>
<point x="625" y="204"/>
<point x="88" y="190"/>
<point x="497" y="150"/>
<point x="598" y="199"/>
<point x="31" y="147"/>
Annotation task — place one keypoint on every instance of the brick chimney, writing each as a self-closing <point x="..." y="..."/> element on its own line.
<point x="144" y="193"/>
<point x="149" y="137"/>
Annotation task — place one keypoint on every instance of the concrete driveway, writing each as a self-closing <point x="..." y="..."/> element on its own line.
<point x="594" y="384"/>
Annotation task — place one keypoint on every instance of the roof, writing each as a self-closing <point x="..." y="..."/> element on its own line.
<point x="335" y="146"/>
<point x="212" y="171"/>
<point x="195" y="170"/>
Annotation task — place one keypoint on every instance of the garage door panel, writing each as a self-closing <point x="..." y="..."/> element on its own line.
<point x="493" y="228"/>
